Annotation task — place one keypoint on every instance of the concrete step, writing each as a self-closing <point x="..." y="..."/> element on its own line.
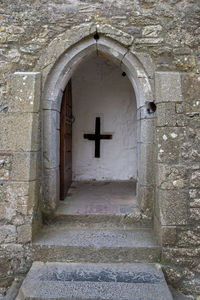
<point x="54" y="281"/>
<point x="63" y="243"/>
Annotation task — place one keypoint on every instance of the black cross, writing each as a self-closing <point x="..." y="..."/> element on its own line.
<point x="97" y="136"/>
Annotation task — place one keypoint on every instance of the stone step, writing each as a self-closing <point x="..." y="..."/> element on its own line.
<point x="115" y="221"/>
<point x="63" y="243"/>
<point x="102" y="204"/>
<point x="54" y="281"/>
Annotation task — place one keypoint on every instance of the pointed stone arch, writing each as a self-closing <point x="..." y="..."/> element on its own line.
<point x="58" y="63"/>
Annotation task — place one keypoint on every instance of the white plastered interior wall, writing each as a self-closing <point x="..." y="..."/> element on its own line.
<point x="100" y="90"/>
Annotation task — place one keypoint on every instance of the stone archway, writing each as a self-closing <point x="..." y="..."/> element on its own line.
<point x="57" y="75"/>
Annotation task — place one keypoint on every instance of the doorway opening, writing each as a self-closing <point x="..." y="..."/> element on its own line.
<point x="98" y="140"/>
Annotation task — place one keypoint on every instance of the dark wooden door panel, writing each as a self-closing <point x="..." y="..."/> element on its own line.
<point x="69" y="145"/>
<point x="66" y="142"/>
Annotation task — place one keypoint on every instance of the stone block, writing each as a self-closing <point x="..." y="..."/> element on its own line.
<point x="148" y="40"/>
<point x="173" y="207"/>
<point x="188" y="238"/>
<point x="116" y="34"/>
<point x="51" y="139"/>
<point x="194" y="193"/>
<point x="7" y="234"/>
<point x="5" y="166"/>
<point x="190" y="152"/>
<point x="53" y="104"/>
<point x="157" y="229"/>
<point x="170" y="177"/>
<point x="195" y="215"/>
<point x="111" y="49"/>
<point x="191" y="92"/>
<point x="20" y="198"/>
<point x="195" y="203"/>
<point x="146" y="60"/>
<point x="25" y="166"/>
<point x="24" y="233"/>
<point x="26" y="125"/>
<point x="146" y="131"/>
<point x="169" y="141"/>
<point x="168" y="87"/>
<point x="152" y="31"/>
<point x="25" y="92"/>
<point x="51" y="189"/>
<point x="168" y="235"/>
<point x="180" y="108"/>
<point x="146" y="198"/>
<point x="2" y="210"/>
<point x="146" y="174"/>
<point x="195" y="179"/>
<point x="167" y="116"/>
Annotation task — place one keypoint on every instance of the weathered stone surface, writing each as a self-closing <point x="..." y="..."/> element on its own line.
<point x="14" y="258"/>
<point x="104" y="281"/>
<point x="169" y="142"/>
<point x="145" y="131"/>
<point x="145" y="170"/>
<point x="118" y="35"/>
<point x="192" y="285"/>
<point x="152" y="30"/>
<point x="147" y="61"/>
<point x="167" y="116"/>
<point x="191" y="92"/>
<point x="195" y="203"/>
<point x="146" y="198"/>
<point x="169" y="234"/>
<point x="5" y="166"/>
<point x="188" y="237"/>
<point x="25" y="166"/>
<point x="24" y="233"/>
<point x="172" y="177"/>
<point x="8" y="234"/>
<point x="26" y="125"/>
<point x="25" y="92"/>
<point x="195" y="215"/>
<point x="173" y="207"/>
<point x="51" y="195"/>
<point x="95" y="245"/>
<point x="168" y="87"/>
<point x="17" y="198"/>
<point x="148" y="40"/>
<point x="195" y="179"/>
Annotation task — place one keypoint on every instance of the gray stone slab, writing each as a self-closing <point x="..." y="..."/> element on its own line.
<point x="25" y="92"/>
<point x="168" y="87"/>
<point x="91" y="281"/>
<point x="62" y="235"/>
<point x="63" y="243"/>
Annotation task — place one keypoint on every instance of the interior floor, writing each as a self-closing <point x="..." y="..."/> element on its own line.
<point x="85" y="198"/>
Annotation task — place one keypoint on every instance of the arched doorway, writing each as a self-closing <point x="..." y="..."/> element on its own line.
<point x="98" y="138"/>
<point x="54" y="86"/>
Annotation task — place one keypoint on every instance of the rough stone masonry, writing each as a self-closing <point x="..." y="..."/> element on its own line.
<point x="166" y="34"/>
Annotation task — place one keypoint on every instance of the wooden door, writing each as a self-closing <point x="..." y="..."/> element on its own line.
<point x="66" y="141"/>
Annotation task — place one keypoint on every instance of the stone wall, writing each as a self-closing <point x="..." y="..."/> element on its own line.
<point x="166" y="32"/>
<point x="178" y="183"/>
